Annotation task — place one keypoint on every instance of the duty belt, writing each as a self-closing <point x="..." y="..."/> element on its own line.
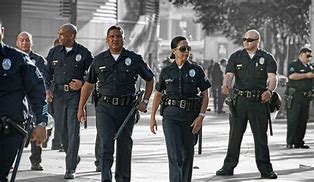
<point x="119" y="101"/>
<point x="189" y="104"/>
<point x="65" y="88"/>
<point x="250" y="94"/>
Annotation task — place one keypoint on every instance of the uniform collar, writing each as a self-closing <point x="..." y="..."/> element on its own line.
<point x="107" y="53"/>
<point x="74" y="47"/>
<point x="1" y="48"/>
<point x="186" y="64"/>
<point x="258" y="53"/>
<point x="300" y="62"/>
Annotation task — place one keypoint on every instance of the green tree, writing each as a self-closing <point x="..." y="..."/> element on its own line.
<point x="284" y="24"/>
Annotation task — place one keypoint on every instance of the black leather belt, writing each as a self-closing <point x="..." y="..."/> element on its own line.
<point x="250" y="94"/>
<point x="119" y="101"/>
<point x="65" y="88"/>
<point x="189" y="104"/>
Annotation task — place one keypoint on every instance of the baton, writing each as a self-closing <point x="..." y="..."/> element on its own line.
<point x="137" y="102"/>
<point x="269" y="121"/>
<point x="22" y="132"/>
<point x="200" y="138"/>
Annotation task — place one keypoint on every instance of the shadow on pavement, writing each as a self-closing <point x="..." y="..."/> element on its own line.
<point x="255" y="176"/>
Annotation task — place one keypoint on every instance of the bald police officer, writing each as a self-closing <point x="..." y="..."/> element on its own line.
<point x="117" y="70"/>
<point x="24" y="42"/>
<point x="67" y="65"/>
<point x="252" y="69"/>
<point x="19" y="77"/>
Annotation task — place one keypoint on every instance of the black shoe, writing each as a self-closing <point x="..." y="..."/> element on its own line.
<point x="301" y="146"/>
<point x="55" y="147"/>
<point x="224" y="172"/>
<point x="289" y="146"/>
<point x="37" y="167"/>
<point x="269" y="175"/>
<point x="78" y="160"/>
<point x="61" y="149"/>
<point x="98" y="169"/>
<point x="69" y="175"/>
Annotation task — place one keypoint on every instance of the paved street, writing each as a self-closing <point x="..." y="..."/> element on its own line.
<point x="149" y="162"/>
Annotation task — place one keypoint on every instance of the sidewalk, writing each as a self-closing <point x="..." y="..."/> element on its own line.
<point x="149" y="162"/>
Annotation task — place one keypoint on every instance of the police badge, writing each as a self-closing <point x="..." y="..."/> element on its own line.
<point x="128" y="61"/>
<point x="192" y="72"/>
<point x="6" y="64"/>
<point x="261" y="60"/>
<point x="78" y="57"/>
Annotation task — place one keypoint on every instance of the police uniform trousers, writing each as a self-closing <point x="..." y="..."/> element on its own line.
<point x="9" y="145"/>
<point x="97" y="151"/>
<point x="67" y="125"/>
<point x="179" y="142"/>
<point x="35" y="157"/>
<point x="297" y="117"/>
<point x="108" y="120"/>
<point x="257" y="114"/>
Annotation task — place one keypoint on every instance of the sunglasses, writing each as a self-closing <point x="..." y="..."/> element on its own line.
<point x="184" y="48"/>
<point x="309" y="56"/>
<point x="249" y="39"/>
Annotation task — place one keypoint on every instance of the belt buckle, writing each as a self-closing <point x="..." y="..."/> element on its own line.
<point x="66" y="88"/>
<point x="248" y="94"/>
<point x="115" y="101"/>
<point x="182" y="104"/>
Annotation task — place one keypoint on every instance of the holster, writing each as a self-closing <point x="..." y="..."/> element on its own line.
<point x="231" y="101"/>
<point x="162" y="104"/>
<point x="288" y="96"/>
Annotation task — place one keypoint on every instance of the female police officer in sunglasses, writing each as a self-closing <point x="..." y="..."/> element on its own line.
<point x="182" y="109"/>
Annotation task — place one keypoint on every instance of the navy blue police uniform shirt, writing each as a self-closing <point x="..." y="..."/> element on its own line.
<point x="64" y="66"/>
<point x="298" y="67"/>
<point x="19" y="77"/>
<point x="181" y="84"/>
<point x="117" y="78"/>
<point x="251" y="74"/>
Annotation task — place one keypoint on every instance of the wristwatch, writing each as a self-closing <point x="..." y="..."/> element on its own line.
<point x="42" y="124"/>
<point x="202" y="114"/>
<point x="146" y="101"/>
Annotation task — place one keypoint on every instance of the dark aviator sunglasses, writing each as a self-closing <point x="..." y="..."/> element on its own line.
<point x="249" y="39"/>
<point x="184" y="48"/>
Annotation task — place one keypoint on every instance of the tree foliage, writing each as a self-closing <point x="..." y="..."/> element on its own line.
<point x="285" y="22"/>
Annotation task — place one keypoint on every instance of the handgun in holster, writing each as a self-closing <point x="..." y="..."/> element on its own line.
<point x="288" y="96"/>
<point x="162" y="104"/>
<point x="231" y="102"/>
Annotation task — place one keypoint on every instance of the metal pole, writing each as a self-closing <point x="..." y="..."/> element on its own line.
<point x="73" y="9"/>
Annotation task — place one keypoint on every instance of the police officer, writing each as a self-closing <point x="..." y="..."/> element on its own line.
<point x="116" y="71"/>
<point x="183" y="111"/>
<point x="67" y="65"/>
<point x="299" y="93"/>
<point x="19" y="77"/>
<point x="217" y="77"/>
<point x="252" y="69"/>
<point x="24" y="42"/>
